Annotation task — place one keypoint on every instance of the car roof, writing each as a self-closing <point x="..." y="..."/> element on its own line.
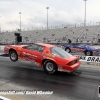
<point x="82" y="44"/>
<point x="46" y="45"/>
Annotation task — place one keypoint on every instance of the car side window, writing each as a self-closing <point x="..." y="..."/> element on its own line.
<point x="35" y="48"/>
<point x="81" y="46"/>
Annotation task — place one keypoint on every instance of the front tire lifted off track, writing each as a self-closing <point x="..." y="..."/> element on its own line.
<point x="13" y="55"/>
<point x="50" y="67"/>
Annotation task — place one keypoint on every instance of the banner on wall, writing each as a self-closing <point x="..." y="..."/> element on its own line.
<point x="95" y="59"/>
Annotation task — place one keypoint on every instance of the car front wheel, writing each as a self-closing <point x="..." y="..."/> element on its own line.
<point x="13" y="56"/>
<point x="50" y="67"/>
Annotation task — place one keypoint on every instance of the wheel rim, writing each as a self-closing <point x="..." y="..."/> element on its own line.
<point x="13" y="56"/>
<point x="88" y="53"/>
<point x="49" y="66"/>
<point x="67" y="50"/>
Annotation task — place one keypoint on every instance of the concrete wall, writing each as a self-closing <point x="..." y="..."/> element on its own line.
<point x="2" y="48"/>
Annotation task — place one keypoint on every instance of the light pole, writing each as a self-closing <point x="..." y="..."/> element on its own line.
<point x="0" y="24"/>
<point x="47" y="16"/>
<point x="85" y="14"/>
<point x="20" y="20"/>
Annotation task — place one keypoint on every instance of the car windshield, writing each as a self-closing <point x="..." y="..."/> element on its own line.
<point x="93" y="48"/>
<point x="81" y="45"/>
<point x="60" y="52"/>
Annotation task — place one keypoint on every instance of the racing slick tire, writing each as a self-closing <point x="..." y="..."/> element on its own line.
<point x="13" y="56"/>
<point x="50" y="67"/>
<point x="88" y="53"/>
<point x="68" y="50"/>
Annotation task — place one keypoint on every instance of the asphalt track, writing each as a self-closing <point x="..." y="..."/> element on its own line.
<point x="63" y="85"/>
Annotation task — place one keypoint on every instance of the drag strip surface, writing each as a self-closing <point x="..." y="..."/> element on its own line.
<point x="63" y="85"/>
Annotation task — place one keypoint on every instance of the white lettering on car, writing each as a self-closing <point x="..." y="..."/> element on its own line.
<point x="29" y="55"/>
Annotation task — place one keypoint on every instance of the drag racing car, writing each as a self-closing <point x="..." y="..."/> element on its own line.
<point x="86" y="49"/>
<point x="50" y="57"/>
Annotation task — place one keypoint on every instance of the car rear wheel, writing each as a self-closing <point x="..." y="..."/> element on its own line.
<point x="50" y="67"/>
<point x="68" y="50"/>
<point x="13" y="56"/>
<point x="88" y="53"/>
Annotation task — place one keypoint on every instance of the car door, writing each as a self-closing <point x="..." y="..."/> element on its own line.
<point x="82" y="48"/>
<point x="74" y="48"/>
<point x="33" y="53"/>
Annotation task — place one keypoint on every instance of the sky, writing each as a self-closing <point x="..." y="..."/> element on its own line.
<point x="34" y="13"/>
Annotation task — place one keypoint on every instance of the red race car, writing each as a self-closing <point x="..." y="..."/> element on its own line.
<point x="50" y="57"/>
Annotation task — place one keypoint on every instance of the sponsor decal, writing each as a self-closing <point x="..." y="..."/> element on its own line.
<point x="77" y="50"/>
<point x="24" y="53"/>
<point x="43" y="55"/>
<point x="49" y="55"/>
<point x="19" y="48"/>
<point x="29" y="55"/>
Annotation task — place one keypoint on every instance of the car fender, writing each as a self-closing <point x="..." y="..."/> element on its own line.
<point x="47" y="59"/>
<point x="87" y="49"/>
<point x="17" y="49"/>
<point x="12" y="48"/>
<point x="8" y="48"/>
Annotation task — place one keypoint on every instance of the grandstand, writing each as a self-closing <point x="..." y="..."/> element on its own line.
<point x="88" y="34"/>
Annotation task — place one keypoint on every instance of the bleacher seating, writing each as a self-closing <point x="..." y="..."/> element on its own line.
<point x="88" y="34"/>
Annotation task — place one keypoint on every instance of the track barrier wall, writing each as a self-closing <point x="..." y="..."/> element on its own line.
<point x="2" y="48"/>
